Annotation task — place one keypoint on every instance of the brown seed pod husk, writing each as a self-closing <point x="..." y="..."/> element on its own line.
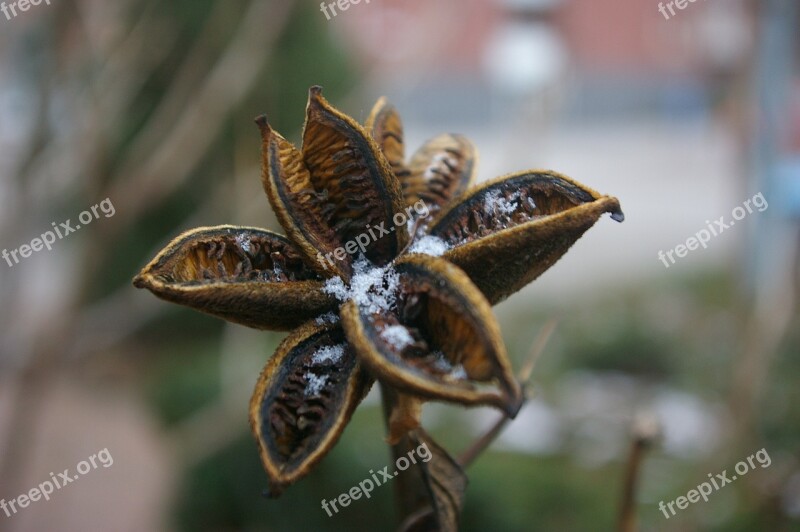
<point x="242" y="274"/>
<point x="360" y="189"/>
<point x="441" y="171"/>
<point x="386" y="128"/>
<point x="303" y="400"/>
<point x="301" y="209"/>
<point x="507" y="232"/>
<point x="442" y="341"/>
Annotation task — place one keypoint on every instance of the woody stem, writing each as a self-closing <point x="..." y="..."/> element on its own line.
<point x="409" y="488"/>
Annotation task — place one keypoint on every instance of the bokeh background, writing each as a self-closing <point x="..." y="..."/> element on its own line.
<point x="151" y="105"/>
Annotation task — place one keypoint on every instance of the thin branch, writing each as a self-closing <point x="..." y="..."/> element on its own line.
<point x="645" y="432"/>
<point x="483" y="443"/>
<point x="105" y="323"/>
<point x="767" y="325"/>
<point x="229" y="82"/>
<point x="536" y="351"/>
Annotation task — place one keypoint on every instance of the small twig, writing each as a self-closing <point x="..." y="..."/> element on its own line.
<point x="162" y="168"/>
<point x="769" y="321"/>
<point x="482" y="443"/>
<point x="645" y="432"/>
<point x="536" y="351"/>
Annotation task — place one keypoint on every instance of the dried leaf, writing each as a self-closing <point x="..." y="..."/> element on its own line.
<point x="508" y="232"/>
<point x="446" y="483"/>
<point x="246" y="275"/>
<point x="303" y="400"/>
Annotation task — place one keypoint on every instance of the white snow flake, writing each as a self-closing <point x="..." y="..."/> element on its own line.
<point x="429" y="245"/>
<point x="397" y="336"/>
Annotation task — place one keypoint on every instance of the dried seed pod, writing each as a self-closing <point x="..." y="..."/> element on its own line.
<point x="348" y="165"/>
<point x="386" y="127"/>
<point x="440" y="171"/>
<point x="507" y="232"/>
<point x="301" y="210"/>
<point x="245" y="275"/>
<point x="413" y="320"/>
<point x="327" y="195"/>
<point x="444" y="348"/>
<point x="303" y="400"/>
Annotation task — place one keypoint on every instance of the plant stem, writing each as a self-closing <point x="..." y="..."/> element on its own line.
<point x="409" y="488"/>
<point x="645" y="431"/>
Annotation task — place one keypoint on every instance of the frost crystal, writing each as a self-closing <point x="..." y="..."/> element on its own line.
<point x="335" y="286"/>
<point x="328" y="317"/>
<point x="459" y="373"/>
<point x="314" y="383"/>
<point x="397" y="336"/>
<point x="244" y="242"/>
<point x="329" y="353"/>
<point x="374" y="289"/>
<point x="441" y="363"/>
<point x="429" y="245"/>
<point x="438" y="160"/>
<point x="494" y="202"/>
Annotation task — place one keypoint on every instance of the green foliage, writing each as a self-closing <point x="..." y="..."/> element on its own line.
<point x="183" y="381"/>
<point x="516" y="492"/>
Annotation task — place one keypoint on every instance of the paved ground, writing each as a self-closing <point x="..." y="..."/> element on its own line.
<point x="130" y="495"/>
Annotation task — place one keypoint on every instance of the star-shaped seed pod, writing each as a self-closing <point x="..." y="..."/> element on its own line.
<point x="388" y="271"/>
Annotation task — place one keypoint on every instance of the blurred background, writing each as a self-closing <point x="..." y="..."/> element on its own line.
<point x="150" y="104"/>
